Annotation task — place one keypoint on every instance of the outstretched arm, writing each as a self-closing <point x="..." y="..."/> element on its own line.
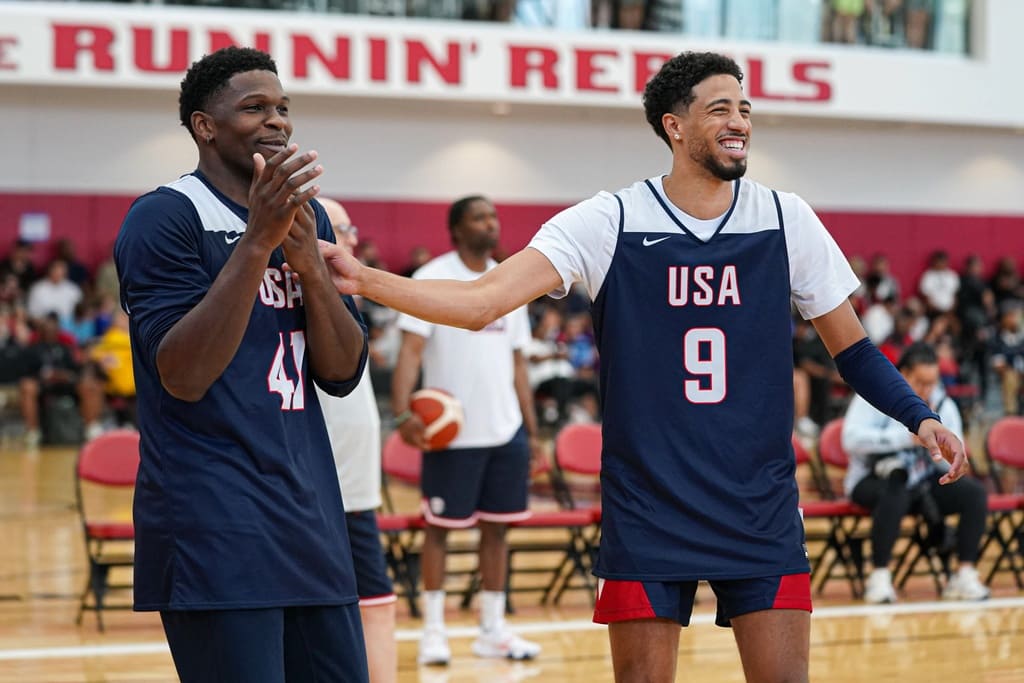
<point x="872" y="376"/>
<point x="472" y="305"/>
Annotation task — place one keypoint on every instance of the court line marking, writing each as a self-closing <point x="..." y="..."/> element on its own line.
<point x="405" y="635"/>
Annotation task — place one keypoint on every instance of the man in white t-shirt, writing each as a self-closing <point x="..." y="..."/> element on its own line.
<point x="481" y="478"/>
<point x="353" y="426"/>
<point x="692" y="275"/>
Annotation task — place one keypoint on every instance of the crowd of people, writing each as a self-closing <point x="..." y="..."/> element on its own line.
<point x="66" y="356"/>
<point x="972" y="316"/>
<point x="939" y="25"/>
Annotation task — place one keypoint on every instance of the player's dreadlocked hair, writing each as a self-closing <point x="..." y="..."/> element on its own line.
<point x="211" y="73"/>
<point x="671" y="89"/>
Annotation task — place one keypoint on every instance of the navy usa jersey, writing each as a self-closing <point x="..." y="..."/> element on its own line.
<point x="237" y="503"/>
<point x="696" y="372"/>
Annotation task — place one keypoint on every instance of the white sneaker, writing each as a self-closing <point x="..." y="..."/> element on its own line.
<point x="32" y="438"/>
<point x="879" y="587"/>
<point x="93" y="430"/>
<point x="504" y="644"/>
<point x="434" y="648"/>
<point x="965" y="585"/>
<point x="805" y="426"/>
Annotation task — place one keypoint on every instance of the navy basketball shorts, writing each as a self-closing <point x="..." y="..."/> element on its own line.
<point x="372" y="580"/>
<point x="463" y="485"/>
<point x="628" y="600"/>
<point x="274" y="645"/>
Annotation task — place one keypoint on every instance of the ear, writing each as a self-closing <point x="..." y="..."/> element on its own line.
<point x="673" y="126"/>
<point x="203" y="126"/>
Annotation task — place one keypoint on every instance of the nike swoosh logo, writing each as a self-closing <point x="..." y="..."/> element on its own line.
<point x="231" y="238"/>
<point x="649" y="242"/>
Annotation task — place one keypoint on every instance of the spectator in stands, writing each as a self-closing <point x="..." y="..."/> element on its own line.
<point x="552" y="377"/>
<point x="418" y="256"/>
<point x="82" y="325"/>
<point x="1007" y="353"/>
<point x="919" y="15"/>
<point x="846" y="16"/>
<point x="891" y="475"/>
<point x="19" y="263"/>
<point x="482" y="477"/>
<point x="879" y="319"/>
<point x="1006" y="283"/>
<point x="976" y="310"/>
<point x="901" y="336"/>
<point x="827" y="387"/>
<point x="880" y="280"/>
<point x="54" y="294"/>
<point x="51" y="370"/>
<point x="108" y="378"/>
<point x="105" y="282"/>
<point x="77" y="272"/>
<point x="939" y="284"/>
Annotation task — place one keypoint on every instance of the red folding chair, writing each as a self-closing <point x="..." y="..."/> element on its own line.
<point x="842" y="541"/>
<point x="1004" y="449"/>
<point x="577" y="455"/>
<point x="402" y="463"/>
<point x="104" y="480"/>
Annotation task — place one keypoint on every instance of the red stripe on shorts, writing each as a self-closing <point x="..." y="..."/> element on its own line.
<point x="794" y="592"/>
<point x="622" y="601"/>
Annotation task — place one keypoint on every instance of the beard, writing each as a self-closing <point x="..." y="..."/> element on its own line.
<point x="728" y="170"/>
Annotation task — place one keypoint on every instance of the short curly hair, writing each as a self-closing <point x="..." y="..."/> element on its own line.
<point x="210" y="74"/>
<point x="671" y="89"/>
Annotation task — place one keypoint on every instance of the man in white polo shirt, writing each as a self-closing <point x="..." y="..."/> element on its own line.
<point x="482" y="477"/>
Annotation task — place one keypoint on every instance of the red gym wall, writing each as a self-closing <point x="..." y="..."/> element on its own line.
<point x="397" y="226"/>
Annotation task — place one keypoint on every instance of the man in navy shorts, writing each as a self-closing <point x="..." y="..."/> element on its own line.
<point x="240" y="538"/>
<point x="482" y="478"/>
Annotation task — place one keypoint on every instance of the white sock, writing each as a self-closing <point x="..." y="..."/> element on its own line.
<point x="433" y="610"/>
<point x="492" y="610"/>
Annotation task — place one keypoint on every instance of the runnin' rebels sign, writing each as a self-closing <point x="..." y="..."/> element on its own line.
<point x="335" y="54"/>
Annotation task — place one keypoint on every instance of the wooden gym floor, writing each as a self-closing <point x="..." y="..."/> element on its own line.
<point x="42" y="571"/>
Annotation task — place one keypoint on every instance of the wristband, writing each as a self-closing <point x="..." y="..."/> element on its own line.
<point x="403" y="417"/>
<point x="872" y="376"/>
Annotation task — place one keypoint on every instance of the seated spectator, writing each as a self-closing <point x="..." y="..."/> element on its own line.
<point x="51" y="370"/>
<point x="108" y="378"/>
<point x="19" y="263"/>
<point x="1005" y="283"/>
<point x="901" y="336"/>
<point x="549" y="372"/>
<point x="77" y="272"/>
<point x="879" y="319"/>
<point x="1007" y="354"/>
<point x="418" y="255"/>
<point x="976" y="311"/>
<point x="892" y="476"/>
<point x="939" y="285"/>
<point x="54" y="294"/>
<point x="880" y="280"/>
<point x="827" y="388"/>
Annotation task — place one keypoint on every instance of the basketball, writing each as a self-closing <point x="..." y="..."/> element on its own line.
<point x="441" y="413"/>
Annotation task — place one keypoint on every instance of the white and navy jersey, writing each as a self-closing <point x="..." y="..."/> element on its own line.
<point x="693" y="327"/>
<point x="476" y="367"/>
<point x="237" y="503"/>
